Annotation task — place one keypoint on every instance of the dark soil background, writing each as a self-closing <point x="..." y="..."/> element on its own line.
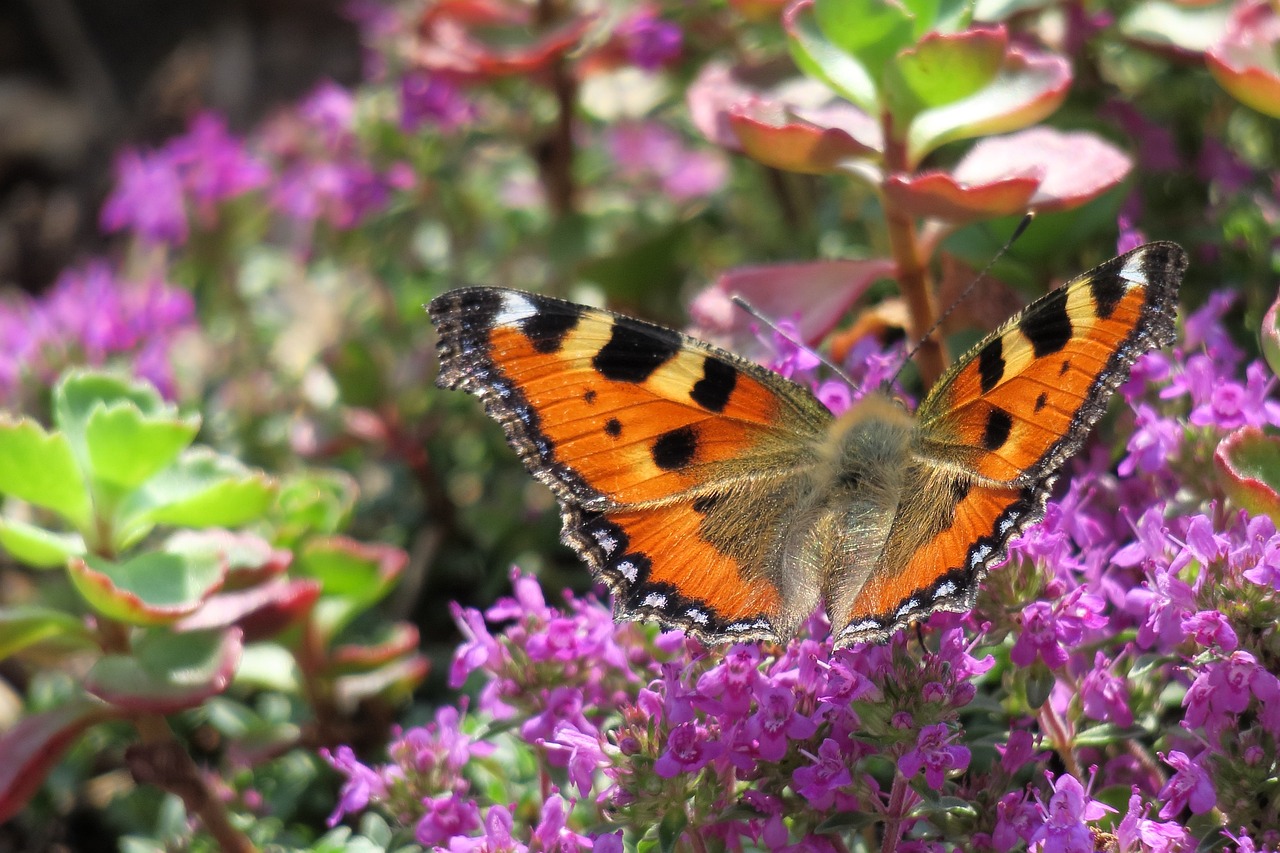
<point x="79" y="79"/>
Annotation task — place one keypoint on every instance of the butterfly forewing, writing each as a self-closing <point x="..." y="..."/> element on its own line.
<point x="1025" y="398"/>
<point x="647" y="437"/>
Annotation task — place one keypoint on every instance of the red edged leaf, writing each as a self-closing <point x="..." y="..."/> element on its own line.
<point x="401" y="639"/>
<point x="35" y="744"/>
<point x="1029" y="87"/>
<point x="938" y="195"/>
<point x="154" y="588"/>
<point x="942" y="68"/>
<point x="1245" y="60"/>
<point x="249" y="558"/>
<point x="770" y="136"/>
<point x="820" y="292"/>
<point x="395" y="682"/>
<point x="168" y="672"/>
<point x="260" y="612"/>
<point x="1075" y="167"/>
<point x="817" y="55"/>
<point x="1248" y="464"/>
<point x="1269" y="336"/>
<point x="482" y="40"/>
<point x="347" y="567"/>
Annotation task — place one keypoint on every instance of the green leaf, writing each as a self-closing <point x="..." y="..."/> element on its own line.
<point x="40" y="468"/>
<point x="942" y="69"/>
<point x="1192" y="28"/>
<point x="37" y="547"/>
<point x="314" y="501"/>
<point x="848" y="822"/>
<point x="1107" y="734"/>
<point x="202" y="489"/>
<point x="167" y="672"/>
<point x="153" y="588"/>
<point x="79" y="392"/>
<point x="268" y="666"/>
<point x="1028" y="88"/>
<point x="26" y="625"/>
<point x="355" y="575"/>
<point x="670" y="829"/>
<point x="1248" y="467"/>
<point x="126" y="448"/>
<point x="872" y="31"/>
<point x="817" y="56"/>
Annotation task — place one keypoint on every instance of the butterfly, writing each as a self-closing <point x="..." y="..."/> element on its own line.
<point x="713" y="495"/>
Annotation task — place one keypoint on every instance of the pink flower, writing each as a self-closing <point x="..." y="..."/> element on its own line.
<point x="688" y="751"/>
<point x="1190" y="787"/>
<point x="1070" y="809"/>
<point x="934" y="753"/>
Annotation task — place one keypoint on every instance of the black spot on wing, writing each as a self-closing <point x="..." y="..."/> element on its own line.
<point x="635" y="350"/>
<point x="546" y="330"/>
<point x="613" y="427"/>
<point x="996" y="433"/>
<point x="1047" y="324"/>
<point x="675" y="449"/>
<point x="1108" y="288"/>
<point x="713" y="390"/>
<point x="589" y="397"/>
<point x="1041" y="401"/>
<point x="991" y="364"/>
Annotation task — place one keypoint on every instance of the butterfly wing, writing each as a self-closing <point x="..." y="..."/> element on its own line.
<point x="649" y="440"/>
<point x="1024" y="399"/>
<point x="993" y="432"/>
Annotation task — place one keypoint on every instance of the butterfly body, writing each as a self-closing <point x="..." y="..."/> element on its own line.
<point x="713" y="495"/>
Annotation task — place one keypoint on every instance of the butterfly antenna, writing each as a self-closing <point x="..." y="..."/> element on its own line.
<point x="955" y="303"/>
<point x="751" y="309"/>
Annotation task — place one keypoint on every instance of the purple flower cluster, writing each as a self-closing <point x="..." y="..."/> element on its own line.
<point x="197" y="170"/>
<point x="323" y="172"/>
<point x="309" y="161"/>
<point x="651" y="154"/>
<point x="91" y="317"/>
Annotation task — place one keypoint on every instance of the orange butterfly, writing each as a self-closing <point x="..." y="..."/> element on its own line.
<point x="714" y="495"/>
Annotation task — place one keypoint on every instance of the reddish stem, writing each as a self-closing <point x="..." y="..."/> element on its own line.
<point x="913" y="276"/>
<point x="895" y="815"/>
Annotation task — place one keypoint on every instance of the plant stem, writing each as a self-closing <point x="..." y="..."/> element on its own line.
<point x="895" y="815"/>
<point x="1053" y="725"/>
<point x="913" y="277"/>
<point x="160" y="760"/>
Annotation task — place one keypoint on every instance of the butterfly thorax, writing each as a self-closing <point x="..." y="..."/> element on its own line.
<point x="853" y="496"/>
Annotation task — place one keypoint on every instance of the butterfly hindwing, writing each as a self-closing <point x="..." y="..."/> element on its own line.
<point x="946" y="534"/>
<point x="1024" y="399"/>
<point x="639" y="430"/>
